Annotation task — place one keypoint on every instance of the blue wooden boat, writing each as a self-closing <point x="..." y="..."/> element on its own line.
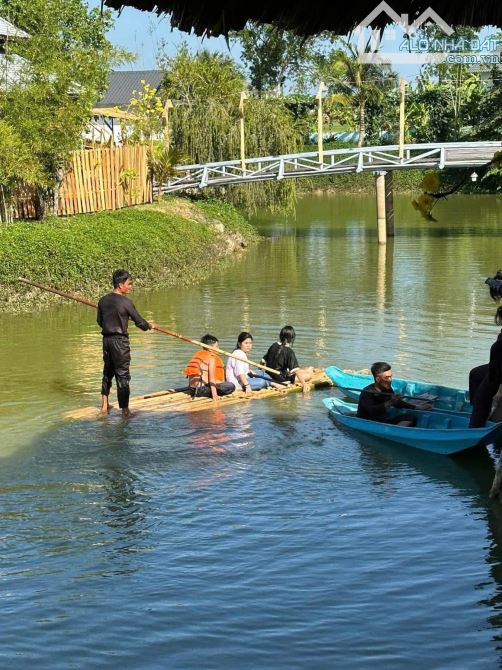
<point x="443" y="398"/>
<point x="438" y="432"/>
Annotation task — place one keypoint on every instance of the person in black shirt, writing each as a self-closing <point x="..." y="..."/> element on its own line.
<point x="282" y="358"/>
<point x="484" y="381"/>
<point x="377" y="398"/>
<point x="114" y="312"/>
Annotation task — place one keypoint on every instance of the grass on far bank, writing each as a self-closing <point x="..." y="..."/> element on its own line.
<point x="172" y="242"/>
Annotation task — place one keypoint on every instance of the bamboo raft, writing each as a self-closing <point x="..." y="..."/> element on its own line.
<point x="177" y="401"/>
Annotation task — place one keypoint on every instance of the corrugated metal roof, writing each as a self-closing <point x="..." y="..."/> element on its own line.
<point x="123" y="84"/>
<point x="8" y="30"/>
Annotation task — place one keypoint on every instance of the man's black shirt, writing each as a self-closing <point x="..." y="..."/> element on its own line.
<point x="495" y="364"/>
<point x="114" y="312"/>
<point x="372" y="403"/>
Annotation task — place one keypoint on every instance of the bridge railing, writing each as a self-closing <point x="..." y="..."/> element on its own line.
<point x="357" y="159"/>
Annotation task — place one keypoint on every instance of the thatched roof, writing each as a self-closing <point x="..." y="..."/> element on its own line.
<point x="218" y="17"/>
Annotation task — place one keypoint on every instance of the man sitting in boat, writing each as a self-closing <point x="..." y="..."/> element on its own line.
<point x="377" y="398"/>
<point x="206" y="372"/>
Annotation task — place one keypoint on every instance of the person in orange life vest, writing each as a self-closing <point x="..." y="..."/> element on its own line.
<point x="206" y="372"/>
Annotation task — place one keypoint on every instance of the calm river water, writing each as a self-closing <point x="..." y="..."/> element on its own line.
<point x="260" y="536"/>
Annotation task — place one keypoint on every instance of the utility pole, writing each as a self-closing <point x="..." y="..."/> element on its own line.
<point x="402" y="89"/>
<point x="322" y="89"/>
<point x="167" y="106"/>
<point x="244" y="96"/>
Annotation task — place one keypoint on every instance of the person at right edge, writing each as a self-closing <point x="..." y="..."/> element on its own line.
<point x="114" y="311"/>
<point x="484" y="381"/>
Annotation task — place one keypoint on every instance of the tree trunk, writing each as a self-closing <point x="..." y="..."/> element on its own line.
<point x="362" y="124"/>
<point x="6" y="214"/>
<point x="39" y="204"/>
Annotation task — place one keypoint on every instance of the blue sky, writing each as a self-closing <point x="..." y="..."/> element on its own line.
<point x="144" y="32"/>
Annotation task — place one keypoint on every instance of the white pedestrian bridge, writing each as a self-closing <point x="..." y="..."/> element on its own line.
<point x="373" y="159"/>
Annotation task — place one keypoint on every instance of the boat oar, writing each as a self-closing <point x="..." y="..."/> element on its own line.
<point x="166" y="331"/>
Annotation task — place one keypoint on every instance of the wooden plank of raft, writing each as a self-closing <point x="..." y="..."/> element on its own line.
<point x="180" y="401"/>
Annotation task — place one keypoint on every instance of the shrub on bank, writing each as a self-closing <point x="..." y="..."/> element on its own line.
<point x="363" y="182"/>
<point x="173" y="241"/>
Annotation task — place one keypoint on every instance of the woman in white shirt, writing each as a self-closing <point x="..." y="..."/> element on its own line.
<point x="237" y="370"/>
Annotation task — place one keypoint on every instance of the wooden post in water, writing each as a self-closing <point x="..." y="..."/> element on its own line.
<point x="380" y="201"/>
<point x="389" y="204"/>
<point x="381" y="278"/>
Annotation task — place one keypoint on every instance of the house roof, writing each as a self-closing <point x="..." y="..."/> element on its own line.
<point x="122" y="86"/>
<point x="8" y="30"/>
<point x="219" y="17"/>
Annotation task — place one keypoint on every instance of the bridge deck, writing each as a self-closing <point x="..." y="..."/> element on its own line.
<point x="364" y="159"/>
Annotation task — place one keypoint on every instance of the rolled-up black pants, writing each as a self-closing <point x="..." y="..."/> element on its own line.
<point x="117" y="359"/>
<point x="222" y="388"/>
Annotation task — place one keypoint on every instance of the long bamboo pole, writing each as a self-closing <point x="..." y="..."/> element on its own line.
<point x="166" y="331"/>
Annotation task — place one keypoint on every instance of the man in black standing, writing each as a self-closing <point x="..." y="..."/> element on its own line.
<point x="114" y="311"/>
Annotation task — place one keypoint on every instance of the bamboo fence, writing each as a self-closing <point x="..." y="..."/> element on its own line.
<point x="96" y="180"/>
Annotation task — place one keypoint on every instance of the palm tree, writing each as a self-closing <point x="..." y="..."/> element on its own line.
<point x="162" y="162"/>
<point x="353" y="84"/>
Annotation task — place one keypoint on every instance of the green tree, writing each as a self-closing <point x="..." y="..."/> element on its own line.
<point x="162" y="162"/>
<point x="352" y="84"/>
<point x="62" y="71"/>
<point x="489" y="117"/>
<point x="17" y="167"/>
<point x="272" y="56"/>
<point x="427" y="117"/>
<point x="445" y="102"/>
<point x="382" y="119"/>
<point x="146" y="122"/>
<point x="445" y="108"/>
<point x="191" y="77"/>
<point x="204" y="123"/>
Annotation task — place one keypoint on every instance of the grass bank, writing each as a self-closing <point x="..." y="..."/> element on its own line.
<point x="174" y="242"/>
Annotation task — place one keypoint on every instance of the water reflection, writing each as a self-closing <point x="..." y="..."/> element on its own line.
<point x="211" y="430"/>
<point x="467" y="476"/>
<point x="260" y="520"/>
